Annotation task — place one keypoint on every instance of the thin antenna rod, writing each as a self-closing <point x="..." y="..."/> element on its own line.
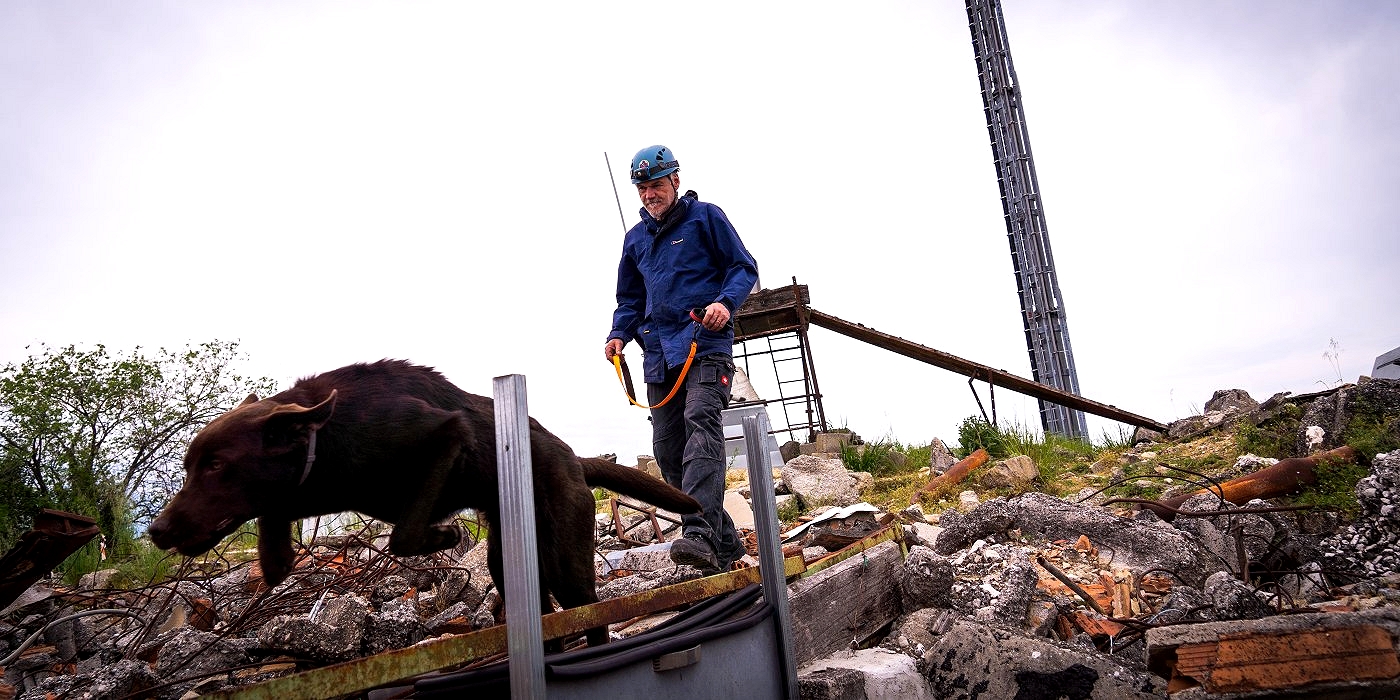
<point x="611" y="179"/>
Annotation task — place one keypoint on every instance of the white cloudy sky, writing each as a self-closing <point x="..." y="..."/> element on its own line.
<point x="338" y="182"/>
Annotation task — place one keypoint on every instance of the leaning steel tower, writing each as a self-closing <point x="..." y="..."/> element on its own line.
<point x="1042" y="308"/>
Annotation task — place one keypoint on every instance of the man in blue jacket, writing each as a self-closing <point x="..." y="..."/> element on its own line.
<point x="684" y="255"/>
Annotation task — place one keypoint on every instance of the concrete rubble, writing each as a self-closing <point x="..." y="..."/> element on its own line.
<point x="1021" y="596"/>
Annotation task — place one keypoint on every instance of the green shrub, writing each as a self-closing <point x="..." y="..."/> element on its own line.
<point x="975" y="432"/>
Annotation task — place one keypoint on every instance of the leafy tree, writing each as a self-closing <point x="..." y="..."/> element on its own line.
<point x="104" y="434"/>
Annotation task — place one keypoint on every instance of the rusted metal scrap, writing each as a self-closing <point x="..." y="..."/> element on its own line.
<point x="955" y="473"/>
<point x="55" y="535"/>
<point x="1286" y="477"/>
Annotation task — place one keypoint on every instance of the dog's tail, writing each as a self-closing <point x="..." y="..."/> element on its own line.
<point x="638" y="484"/>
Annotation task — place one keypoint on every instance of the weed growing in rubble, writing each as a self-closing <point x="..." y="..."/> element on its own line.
<point x="80" y="563"/>
<point x="1276" y="436"/>
<point x="975" y="432"/>
<point x="1115" y="443"/>
<point x="142" y="564"/>
<point x="879" y="458"/>
<point x="1371" y="434"/>
<point x="1335" y="488"/>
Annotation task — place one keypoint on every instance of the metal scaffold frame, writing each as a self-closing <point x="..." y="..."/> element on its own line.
<point x="774" y="325"/>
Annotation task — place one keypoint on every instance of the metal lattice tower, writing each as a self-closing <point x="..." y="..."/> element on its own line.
<point x="1042" y="308"/>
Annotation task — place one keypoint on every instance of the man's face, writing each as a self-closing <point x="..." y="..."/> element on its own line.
<point x="658" y="195"/>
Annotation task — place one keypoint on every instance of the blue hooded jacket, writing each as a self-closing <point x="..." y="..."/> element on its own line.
<point x="690" y="259"/>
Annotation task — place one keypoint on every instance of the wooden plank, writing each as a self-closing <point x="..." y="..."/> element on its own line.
<point x="1258" y="661"/>
<point x="845" y="603"/>
<point x="771" y="311"/>
<point x="766" y="300"/>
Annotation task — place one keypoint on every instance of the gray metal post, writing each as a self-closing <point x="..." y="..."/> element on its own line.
<point x="524" y="635"/>
<point x="770" y="550"/>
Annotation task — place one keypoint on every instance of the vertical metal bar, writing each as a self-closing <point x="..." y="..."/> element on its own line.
<point x="815" y="390"/>
<point x="524" y="634"/>
<point x="770" y="550"/>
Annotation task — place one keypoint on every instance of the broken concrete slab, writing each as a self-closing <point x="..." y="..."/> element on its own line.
<point x="335" y="633"/>
<point x="1314" y="655"/>
<point x="972" y="660"/>
<point x="865" y="673"/>
<point x="925" y="580"/>
<point x="395" y="626"/>
<point x="1141" y="545"/>
<point x="1232" y="600"/>
<point x="191" y="654"/>
<point x="739" y="509"/>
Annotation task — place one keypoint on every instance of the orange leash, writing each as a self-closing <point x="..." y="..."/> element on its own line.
<point x="620" y="364"/>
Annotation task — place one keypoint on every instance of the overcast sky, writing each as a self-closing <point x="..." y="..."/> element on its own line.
<point x="329" y="183"/>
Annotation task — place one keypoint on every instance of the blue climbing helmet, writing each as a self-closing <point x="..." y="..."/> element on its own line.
<point x="653" y="162"/>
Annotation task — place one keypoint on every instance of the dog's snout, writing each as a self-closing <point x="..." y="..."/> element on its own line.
<point x="159" y="531"/>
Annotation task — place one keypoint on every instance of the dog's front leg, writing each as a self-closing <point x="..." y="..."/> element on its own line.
<point x="415" y="533"/>
<point x="275" y="554"/>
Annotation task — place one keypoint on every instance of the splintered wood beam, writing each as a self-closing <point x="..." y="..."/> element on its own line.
<point x="846" y="603"/>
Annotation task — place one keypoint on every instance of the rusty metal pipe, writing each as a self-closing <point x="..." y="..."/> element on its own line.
<point x="955" y="473"/>
<point x="1287" y="477"/>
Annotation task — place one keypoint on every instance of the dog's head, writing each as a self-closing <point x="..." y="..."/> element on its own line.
<point x="238" y="466"/>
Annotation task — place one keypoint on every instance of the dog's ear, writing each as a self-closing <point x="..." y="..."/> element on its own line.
<point x="291" y="423"/>
<point x="252" y="398"/>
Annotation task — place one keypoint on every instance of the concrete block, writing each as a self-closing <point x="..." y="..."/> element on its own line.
<point x="866" y="673"/>
<point x="739" y="509"/>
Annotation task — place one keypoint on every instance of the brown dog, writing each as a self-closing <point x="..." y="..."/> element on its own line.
<point x="400" y="443"/>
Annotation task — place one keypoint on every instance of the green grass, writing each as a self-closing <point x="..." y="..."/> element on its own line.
<point x="138" y="564"/>
<point x="1275" y="436"/>
<point x="1371" y="435"/>
<point x="879" y="458"/>
<point x="1335" y="489"/>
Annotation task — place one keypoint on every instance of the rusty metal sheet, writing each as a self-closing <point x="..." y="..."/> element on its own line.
<point x="402" y="664"/>
<point x="54" y="537"/>
<point x="1272" y="661"/>
<point x="373" y="671"/>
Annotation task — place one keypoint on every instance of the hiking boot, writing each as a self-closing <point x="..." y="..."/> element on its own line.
<point x="694" y="551"/>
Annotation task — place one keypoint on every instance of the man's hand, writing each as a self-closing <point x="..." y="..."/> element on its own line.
<point x="614" y="347"/>
<point x="716" y="317"/>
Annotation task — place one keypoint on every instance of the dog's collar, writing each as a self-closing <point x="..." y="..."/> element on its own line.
<point x="310" y="458"/>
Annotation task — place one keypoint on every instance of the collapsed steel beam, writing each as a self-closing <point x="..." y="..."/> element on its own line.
<point x="968" y="368"/>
